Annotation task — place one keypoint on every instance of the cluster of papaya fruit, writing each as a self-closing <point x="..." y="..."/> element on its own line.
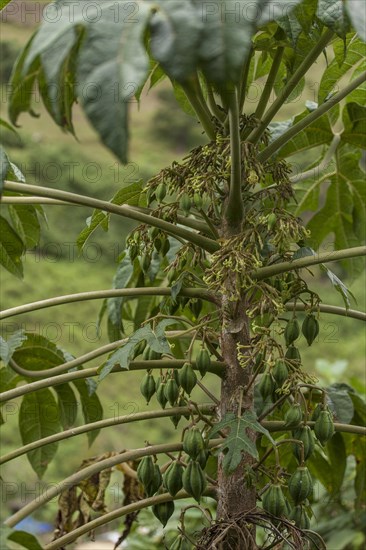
<point x="185" y="474"/>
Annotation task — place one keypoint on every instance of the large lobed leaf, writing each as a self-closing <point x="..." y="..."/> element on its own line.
<point x="96" y="53"/>
<point x="238" y="440"/>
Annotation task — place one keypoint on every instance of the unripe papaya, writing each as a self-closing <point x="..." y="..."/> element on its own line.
<point x="316" y="412"/>
<point x="187" y="378"/>
<point x="160" y="395"/>
<point x="193" y="442"/>
<point x="198" y="201"/>
<point x="310" y="328"/>
<point x="194" y="480"/>
<point x="300" y="485"/>
<point x="160" y="192"/>
<point x="202" y="458"/>
<point x="280" y="372"/>
<point x="305" y="435"/>
<point x="292" y="331"/>
<point x="274" y="501"/>
<point x="293" y="416"/>
<point x="324" y="427"/>
<point x="175" y="419"/>
<point x="300" y="517"/>
<point x="154" y="355"/>
<point x="155" y="482"/>
<point x="185" y="203"/>
<point x="173" y="478"/>
<point x="140" y="348"/>
<point x="147" y="386"/>
<point x="163" y="511"/>
<point x="293" y="355"/>
<point x="171" y="391"/>
<point x="266" y="385"/>
<point x="145" y="470"/>
<point x="203" y="361"/>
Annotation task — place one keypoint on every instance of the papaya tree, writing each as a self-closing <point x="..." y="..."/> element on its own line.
<point x="214" y="275"/>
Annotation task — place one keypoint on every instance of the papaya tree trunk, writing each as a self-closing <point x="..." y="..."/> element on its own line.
<point x="236" y="495"/>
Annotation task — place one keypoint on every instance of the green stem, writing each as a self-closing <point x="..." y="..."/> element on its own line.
<point x="220" y="115"/>
<point x="91" y="470"/>
<point x="324" y="257"/>
<point x="100" y="294"/>
<point x="182" y="220"/>
<point x="314" y="172"/>
<point x="276" y="63"/>
<point x="201" y="109"/>
<point x="127" y="212"/>
<point x="100" y="425"/>
<point x="310" y="118"/>
<point x="216" y="367"/>
<point x="234" y="209"/>
<point x="244" y="80"/>
<point x="120" y="512"/>
<point x="326" y="308"/>
<point x="70" y="364"/>
<point x="291" y="85"/>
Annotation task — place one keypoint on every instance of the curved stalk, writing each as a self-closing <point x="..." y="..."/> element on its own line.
<point x="324" y="257"/>
<point x="70" y="364"/>
<point x="120" y="512"/>
<point x="244" y="80"/>
<point x="319" y="112"/>
<point x="101" y="424"/>
<point x="268" y="87"/>
<point x="100" y="294"/>
<point x="200" y="108"/>
<point x="326" y="308"/>
<point x="91" y="470"/>
<point x="234" y="211"/>
<point x="313" y="172"/>
<point x="182" y="220"/>
<point x="82" y="359"/>
<point x="291" y="85"/>
<point x="125" y="211"/>
<point x="216" y="367"/>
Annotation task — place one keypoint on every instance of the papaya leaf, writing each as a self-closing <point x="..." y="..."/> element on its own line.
<point x="340" y="403"/>
<point x="121" y="279"/>
<point x="238" y="441"/>
<point x="25" y="540"/>
<point x="67" y="405"/>
<point x="39" y="418"/>
<point x="127" y="195"/>
<point x="37" y="353"/>
<point x="357" y="14"/>
<point x="355" y="53"/>
<point x="344" y="212"/>
<point x="156" y="340"/>
<point x="11" y="249"/>
<point x="26" y="223"/>
<point x="8" y="347"/>
<point x="336" y="451"/>
<point x="333" y="14"/>
<point x="91" y="407"/>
